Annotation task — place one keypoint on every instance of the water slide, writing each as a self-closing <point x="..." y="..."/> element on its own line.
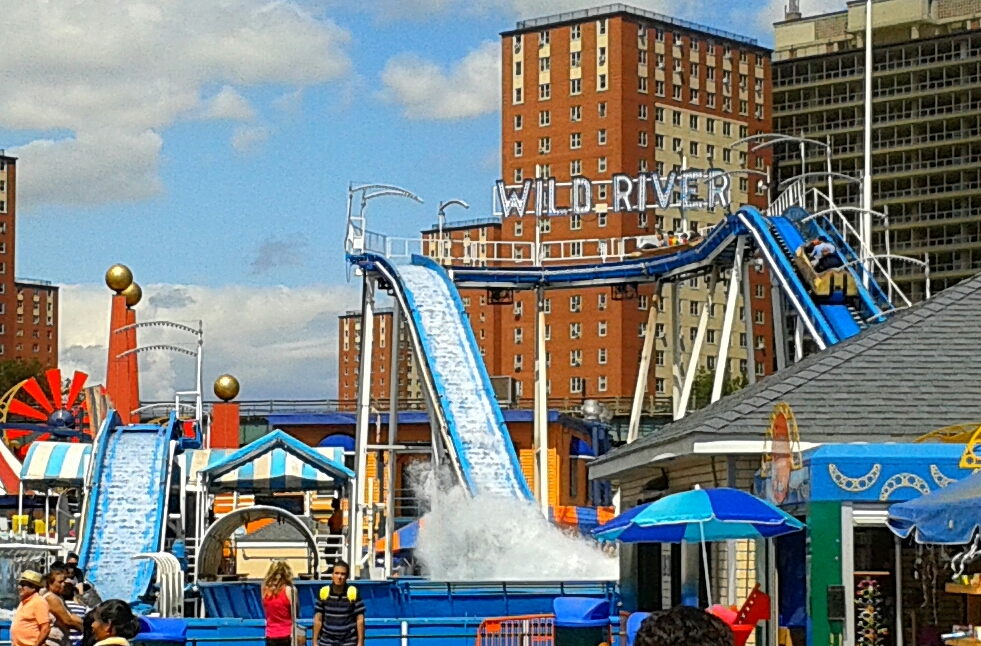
<point x="466" y="413"/>
<point x="125" y="509"/>
<point x="465" y="408"/>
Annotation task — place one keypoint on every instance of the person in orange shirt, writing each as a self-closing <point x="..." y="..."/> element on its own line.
<point x="32" y="622"/>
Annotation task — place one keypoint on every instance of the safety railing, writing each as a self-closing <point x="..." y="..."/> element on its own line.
<point x="524" y="630"/>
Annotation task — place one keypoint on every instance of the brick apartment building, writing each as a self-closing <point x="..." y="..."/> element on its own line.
<point x="28" y="308"/>
<point x="593" y="93"/>
<point x="926" y="133"/>
<point x="349" y="360"/>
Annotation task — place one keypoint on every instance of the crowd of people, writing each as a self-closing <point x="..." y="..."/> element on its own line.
<point x="669" y="239"/>
<point x="61" y="609"/>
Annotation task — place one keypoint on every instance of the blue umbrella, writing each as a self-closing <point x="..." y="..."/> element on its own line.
<point x="947" y="516"/>
<point x="700" y="515"/>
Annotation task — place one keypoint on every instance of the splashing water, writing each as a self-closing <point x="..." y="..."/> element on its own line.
<point x="492" y="538"/>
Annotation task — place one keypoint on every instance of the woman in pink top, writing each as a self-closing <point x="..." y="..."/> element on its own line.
<point x="277" y="601"/>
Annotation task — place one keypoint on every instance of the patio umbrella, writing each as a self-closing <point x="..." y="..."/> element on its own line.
<point x="701" y="515"/>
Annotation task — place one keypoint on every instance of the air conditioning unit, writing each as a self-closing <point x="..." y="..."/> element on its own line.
<point x="505" y="390"/>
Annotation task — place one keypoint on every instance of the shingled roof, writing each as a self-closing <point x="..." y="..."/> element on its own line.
<point x="918" y="372"/>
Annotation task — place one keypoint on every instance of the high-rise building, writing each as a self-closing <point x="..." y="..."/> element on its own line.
<point x="28" y="308"/>
<point x="617" y="89"/>
<point x="593" y="93"/>
<point x="349" y="362"/>
<point x="925" y="127"/>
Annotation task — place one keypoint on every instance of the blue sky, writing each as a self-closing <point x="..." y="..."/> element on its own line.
<point x="209" y="145"/>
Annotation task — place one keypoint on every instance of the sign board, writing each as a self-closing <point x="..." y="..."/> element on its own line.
<point x="691" y="189"/>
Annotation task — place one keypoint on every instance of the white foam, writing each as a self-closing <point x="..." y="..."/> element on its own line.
<point x="493" y="538"/>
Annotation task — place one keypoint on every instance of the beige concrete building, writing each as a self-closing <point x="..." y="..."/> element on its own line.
<point x="926" y="136"/>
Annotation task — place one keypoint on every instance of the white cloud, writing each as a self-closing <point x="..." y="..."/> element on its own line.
<point x="471" y="88"/>
<point x="409" y="9"/>
<point x="773" y="11"/>
<point x="87" y="168"/>
<point x="229" y="104"/>
<point x="246" y="138"/>
<point x="120" y="73"/>
<point x="280" y="342"/>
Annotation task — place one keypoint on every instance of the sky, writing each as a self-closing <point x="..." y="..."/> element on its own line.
<point x="208" y="145"/>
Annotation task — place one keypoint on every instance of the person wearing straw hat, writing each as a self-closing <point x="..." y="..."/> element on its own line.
<point x="31" y="623"/>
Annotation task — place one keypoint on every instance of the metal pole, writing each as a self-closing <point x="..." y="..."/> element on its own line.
<point x="898" y="577"/>
<point x="199" y="400"/>
<point x="885" y="221"/>
<point x="831" y="182"/>
<point x="640" y="389"/>
<point x="779" y="323"/>
<point x="926" y="273"/>
<point x="867" y="185"/>
<point x="362" y="430"/>
<point x="541" y="403"/>
<point x="748" y="325"/>
<point x="696" y="349"/>
<point x="676" y="375"/>
<point x="798" y="338"/>
<point x="730" y="316"/>
<point x="393" y="426"/>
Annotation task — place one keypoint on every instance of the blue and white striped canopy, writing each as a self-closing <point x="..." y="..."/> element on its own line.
<point x="56" y="464"/>
<point x="276" y="463"/>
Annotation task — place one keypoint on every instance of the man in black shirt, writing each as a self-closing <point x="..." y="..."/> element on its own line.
<point x="339" y="616"/>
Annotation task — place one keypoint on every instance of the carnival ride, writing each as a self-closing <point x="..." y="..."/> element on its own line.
<point x="63" y="415"/>
<point x="423" y="275"/>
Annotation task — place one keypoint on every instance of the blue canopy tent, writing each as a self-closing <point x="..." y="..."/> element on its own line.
<point x="948" y="516"/>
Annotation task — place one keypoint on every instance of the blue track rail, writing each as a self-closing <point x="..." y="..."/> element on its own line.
<point x="125" y="507"/>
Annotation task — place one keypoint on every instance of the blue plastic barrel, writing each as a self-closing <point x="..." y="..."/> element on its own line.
<point x="156" y="631"/>
<point x="581" y="621"/>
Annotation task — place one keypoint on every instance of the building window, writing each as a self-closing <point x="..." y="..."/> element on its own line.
<point x="575" y="113"/>
<point x="760" y="342"/>
<point x="642" y="330"/>
<point x="693" y="308"/>
<point x="727" y="155"/>
<point x="575" y="222"/>
<point x="642" y="302"/>
<point x="548" y="332"/>
<point x="575" y="248"/>
<point x="726" y="104"/>
<point x="601" y="356"/>
<point x="601" y="84"/>
<point x="642" y="139"/>
<point x="517" y="68"/>
<point x="743" y="184"/>
<point x="601" y="137"/>
<point x="760" y="371"/>
<point x="518" y="362"/>
<point x="601" y="26"/>
<point x="659" y="330"/>
<point x="642" y="84"/>
<point x="544" y="91"/>
<point x="676" y="93"/>
<point x="519" y="335"/>
<point x="676" y="145"/>
<point x="758" y="316"/>
<point x="710" y="361"/>
<point x="710" y="151"/>
<point x="600" y="166"/>
<point x="544" y="64"/>
<point x="601" y="302"/>
<point x="744" y="107"/>
<point x="659" y="142"/>
<point x="544" y="118"/>
<point x="601" y="384"/>
<point x="575" y="303"/>
<point x="518" y="95"/>
<point x="601" y="220"/>
<point x="659" y="88"/>
<point x="693" y="96"/>
<point x="518" y="175"/>
<point x="575" y="167"/>
<point x="743" y="132"/>
<point x="759" y="109"/>
<point x="742" y="339"/>
<point x="517" y="149"/>
<point x="642" y="216"/>
<point x="547" y="306"/>
<point x="518" y="122"/>
<point x="710" y="336"/>
<point x="659" y="385"/>
<point x="575" y="87"/>
<point x="545" y="146"/>
<point x="601" y="109"/>
<point x="760" y="290"/>
<point x="692" y="333"/>
<point x="575" y="384"/>
<point x="575" y="59"/>
<point x="642" y="57"/>
<point x="543" y="38"/>
<point x="575" y="330"/>
<point x="575" y="140"/>
<point x="575" y="358"/>
<point x="693" y="148"/>
<point x="601" y="192"/>
<point x="518" y="232"/>
<point x="575" y="32"/>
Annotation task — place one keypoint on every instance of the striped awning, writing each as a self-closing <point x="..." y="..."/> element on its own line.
<point x="275" y="463"/>
<point x="56" y="464"/>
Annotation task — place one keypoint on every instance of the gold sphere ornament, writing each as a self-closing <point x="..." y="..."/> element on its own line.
<point x="118" y="278"/>
<point x="133" y="294"/>
<point x="226" y="388"/>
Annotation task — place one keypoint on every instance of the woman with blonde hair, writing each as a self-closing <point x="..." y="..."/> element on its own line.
<point x="279" y="602"/>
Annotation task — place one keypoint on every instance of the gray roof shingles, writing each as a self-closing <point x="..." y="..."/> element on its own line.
<point x="915" y="373"/>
